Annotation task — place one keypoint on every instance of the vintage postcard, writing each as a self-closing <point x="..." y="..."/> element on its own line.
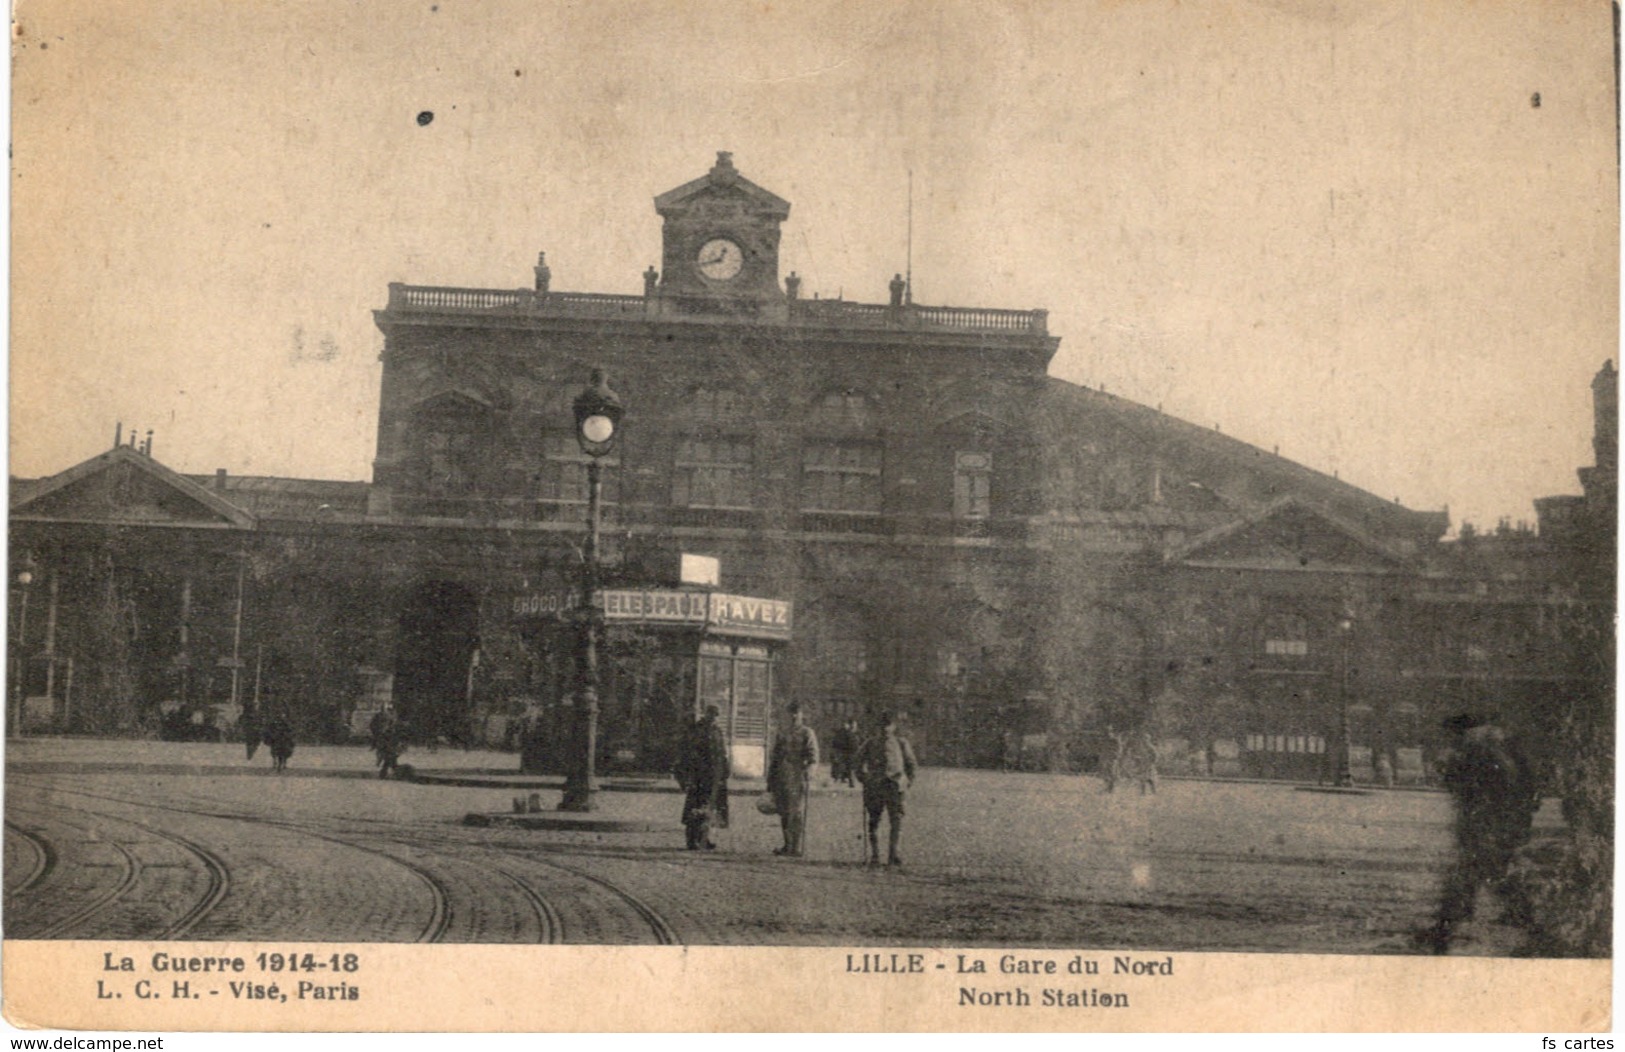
<point x="1014" y="516"/>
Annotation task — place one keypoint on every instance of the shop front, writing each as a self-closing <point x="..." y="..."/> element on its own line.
<point x="665" y="655"/>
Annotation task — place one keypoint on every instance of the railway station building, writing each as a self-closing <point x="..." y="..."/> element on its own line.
<point x="932" y="524"/>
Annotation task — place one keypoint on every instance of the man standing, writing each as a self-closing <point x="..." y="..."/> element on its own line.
<point x="1496" y="797"/>
<point x="386" y="739"/>
<point x="843" y="752"/>
<point x="279" y="739"/>
<point x="702" y="770"/>
<point x="886" y="769"/>
<point x="794" y="754"/>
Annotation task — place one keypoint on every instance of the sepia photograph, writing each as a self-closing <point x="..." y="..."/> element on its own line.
<point x="1058" y="508"/>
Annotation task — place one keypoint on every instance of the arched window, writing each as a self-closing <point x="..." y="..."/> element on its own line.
<point x="841" y="475"/>
<point x="837" y="655"/>
<point x="973" y="484"/>
<point x="450" y="440"/>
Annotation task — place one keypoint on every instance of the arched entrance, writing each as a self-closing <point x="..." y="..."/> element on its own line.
<point x="1115" y="671"/>
<point x="434" y="655"/>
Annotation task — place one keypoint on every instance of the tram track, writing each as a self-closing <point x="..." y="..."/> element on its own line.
<point x="44" y="858"/>
<point x="549" y="918"/>
<point x="216" y="874"/>
<point x="550" y="923"/>
<point x="130" y="870"/>
<point x="433" y="929"/>
<point x="664" y="933"/>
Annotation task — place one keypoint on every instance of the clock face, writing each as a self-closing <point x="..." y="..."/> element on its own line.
<point x="720" y="259"/>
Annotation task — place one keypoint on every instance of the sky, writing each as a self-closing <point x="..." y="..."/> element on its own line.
<point x="1345" y="230"/>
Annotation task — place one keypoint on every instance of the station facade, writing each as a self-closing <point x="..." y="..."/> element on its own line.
<point x="1018" y="565"/>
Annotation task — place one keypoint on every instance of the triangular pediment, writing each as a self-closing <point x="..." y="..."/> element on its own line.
<point x="973" y="421"/>
<point x="1290" y="535"/>
<point x="722" y="185"/>
<point x="127" y="487"/>
<point x="454" y="401"/>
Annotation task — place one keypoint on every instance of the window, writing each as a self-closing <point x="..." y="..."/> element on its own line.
<point x="973" y="485"/>
<point x="1286" y="635"/>
<point x="1304" y="743"/>
<point x="845" y="410"/>
<point x="448" y="456"/>
<point x="564" y="471"/>
<point x="713" y="473"/>
<point x="841" y="476"/>
<point x="706" y="403"/>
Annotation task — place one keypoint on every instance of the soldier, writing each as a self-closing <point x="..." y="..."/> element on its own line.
<point x="1496" y="797"/>
<point x="702" y="770"/>
<point x="843" y="750"/>
<point x="386" y="739"/>
<point x="1140" y="761"/>
<point x="250" y="725"/>
<point x="795" y="752"/>
<point x="886" y="769"/>
<point x="1111" y="769"/>
<point x="279" y="739"/>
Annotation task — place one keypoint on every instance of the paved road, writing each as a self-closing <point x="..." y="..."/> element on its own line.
<point x="124" y="840"/>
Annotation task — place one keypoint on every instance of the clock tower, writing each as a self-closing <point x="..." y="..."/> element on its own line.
<point x="721" y="241"/>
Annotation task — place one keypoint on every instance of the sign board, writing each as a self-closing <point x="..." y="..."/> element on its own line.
<point x="700" y="569"/>
<point x="726" y="615"/>
<point x="663" y="607"/>
<point x="739" y="615"/>
<point x="546" y="604"/>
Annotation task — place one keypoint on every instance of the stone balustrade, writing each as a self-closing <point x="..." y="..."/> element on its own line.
<point x="430" y="299"/>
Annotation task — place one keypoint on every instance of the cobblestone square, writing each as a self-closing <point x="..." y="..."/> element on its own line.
<point x="162" y="840"/>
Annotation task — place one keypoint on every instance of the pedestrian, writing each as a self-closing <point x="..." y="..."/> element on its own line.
<point x="387" y="740"/>
<point x="278" y="737"/>
<point x="1496" y="796"/>
<point x="886" y="768"/>
<point x="532" y="742"/>
<point x="702" y="770"/>
<point x="795" y="752"/>
<point x="1111" y="771"/>
<point x="250" y="725"/>
<point x="1140" y="761"/>
<point x="843" y="753"/>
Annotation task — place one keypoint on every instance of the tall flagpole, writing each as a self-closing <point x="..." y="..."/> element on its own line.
<point x="908" y="282"/>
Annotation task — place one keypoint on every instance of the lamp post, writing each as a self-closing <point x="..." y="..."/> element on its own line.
<point x="24" y="579"/>
<point x="1345" y="630"/>
<point x="598" y="425"/>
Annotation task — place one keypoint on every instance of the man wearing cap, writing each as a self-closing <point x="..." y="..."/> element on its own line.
<point x="795" y="752"/>
<point x="1496" y="797"/>
<point x="886" y="768"/>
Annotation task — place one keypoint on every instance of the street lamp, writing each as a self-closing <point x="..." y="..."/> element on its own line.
<point x="24" y="579"/>
<point x="1345" y="630"/>
<point x="598" y="426"/>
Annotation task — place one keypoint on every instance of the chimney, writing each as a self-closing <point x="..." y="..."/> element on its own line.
<point x="147" y="447"/>
<point x="220" y="479"/>
<point x="118" y="434"/>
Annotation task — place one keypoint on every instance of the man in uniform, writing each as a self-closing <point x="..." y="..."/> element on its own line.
<point x="702" y="770"/>
<point x="1496" y="797"/>
<point x="386" y="739"/>
<point x="843" y="752"/>
<point x="794" y="754"/>
<point x="886" y="769"/>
